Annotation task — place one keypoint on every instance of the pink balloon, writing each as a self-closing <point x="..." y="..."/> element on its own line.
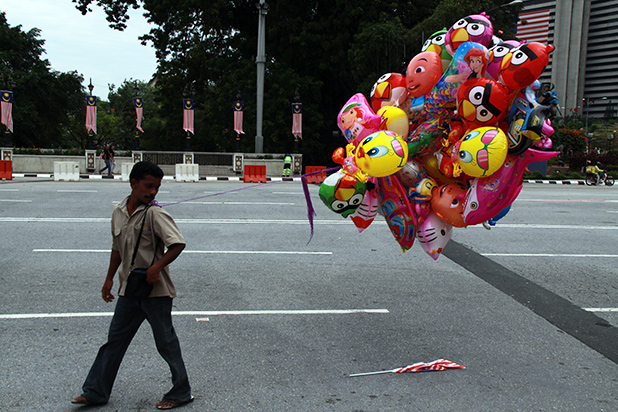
<point x="357" y="120"/>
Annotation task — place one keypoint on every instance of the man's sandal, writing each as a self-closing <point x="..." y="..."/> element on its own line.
<point x="172" y="405"/>
<point x="80" y="400"/>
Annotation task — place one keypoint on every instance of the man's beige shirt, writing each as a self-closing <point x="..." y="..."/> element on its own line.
<point x="125" y="229"/>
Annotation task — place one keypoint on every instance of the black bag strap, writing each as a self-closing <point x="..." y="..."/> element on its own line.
<point x="139" y="237"/>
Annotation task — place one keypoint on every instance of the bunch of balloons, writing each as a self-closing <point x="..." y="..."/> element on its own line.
<point x="446" y="144"/>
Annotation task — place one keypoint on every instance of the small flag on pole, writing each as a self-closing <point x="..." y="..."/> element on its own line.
<point x="437" y="365"/>
<point x="7" y="109"/>
<point x="91" y="114"/>
<point x="139" y="112"/>
<point x="187" y="115"/>
<point x="238" y="116"/>
<point x="297" y="120"/>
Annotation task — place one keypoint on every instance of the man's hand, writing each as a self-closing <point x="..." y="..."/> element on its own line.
<point x="153" y="275"/>
<point x="106" y="292"/>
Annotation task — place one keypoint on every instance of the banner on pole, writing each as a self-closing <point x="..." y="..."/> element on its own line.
<point x="7" y="109"/>
<point x="187" y="115"/>
<point x="238" y="116"/>
<point x="139" y="112"/>
<point x="91" y="114"/>
<point x="297" y="120"/>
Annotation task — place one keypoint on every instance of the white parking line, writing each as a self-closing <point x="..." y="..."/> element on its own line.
<point x="200" y="313"/>
<point x="16" y="200"/>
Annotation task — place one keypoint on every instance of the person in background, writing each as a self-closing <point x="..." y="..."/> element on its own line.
<point x="106" y="160"/>
<point x="112" y="159"/>
<point x="287" y="165"/>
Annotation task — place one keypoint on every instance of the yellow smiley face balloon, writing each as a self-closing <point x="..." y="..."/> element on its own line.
<point x="381" y="154"/>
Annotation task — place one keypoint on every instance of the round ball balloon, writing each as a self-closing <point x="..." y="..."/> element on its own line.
<point x="395" y="120"/>
<point x="381" y="154"/>
<point x="481" y="152"/>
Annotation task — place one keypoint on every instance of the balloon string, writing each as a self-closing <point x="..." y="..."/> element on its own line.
<point x="310" y="210"/>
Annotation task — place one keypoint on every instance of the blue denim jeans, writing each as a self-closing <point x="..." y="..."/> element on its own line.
<point x="128" y="317"/>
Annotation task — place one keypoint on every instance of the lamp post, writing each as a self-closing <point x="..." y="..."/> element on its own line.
<point x="189" y="92"/>
<point x="296" y="104"/>
<point x="261" y="63"/>
<point x="238" y="96"/>
<point x="90" y="142"/>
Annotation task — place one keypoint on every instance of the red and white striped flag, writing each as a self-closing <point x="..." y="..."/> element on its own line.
<point x="6" y="103"/>
<point x="297" y="120"/>
<point x="437" y="365"/>
<point x="91" y="114"/>
<point x="187" y="115"/>
<point x="139" y="112"/>
<point x="238" y="116"/>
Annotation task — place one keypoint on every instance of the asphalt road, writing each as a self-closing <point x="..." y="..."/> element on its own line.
<point x="269" y="323"/>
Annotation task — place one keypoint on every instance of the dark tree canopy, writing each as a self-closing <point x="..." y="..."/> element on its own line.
<point x="328" y="50"/>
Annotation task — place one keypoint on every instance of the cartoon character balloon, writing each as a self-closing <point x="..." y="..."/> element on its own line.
<point x="433" y="234"/>
<point x="423" y="72"/>
<point x="356" y="119"/>
<point x="481" y="152"/>
<point x="447" y="201"/>
<point x="524" y="64"/>
<point x="482" y="102"/>
<point x="476" y="28"/>
<point x="342" y="193"/>
<point x="389" y="90"/>
<point x="436" y="43"/>
<point x="395" y="120"/>
<point x="381" y="154"/>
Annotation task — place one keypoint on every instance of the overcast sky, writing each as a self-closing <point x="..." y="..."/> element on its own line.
<point x="86" y="43"/>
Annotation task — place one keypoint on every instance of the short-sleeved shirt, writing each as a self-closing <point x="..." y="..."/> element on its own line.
<point x="125" y="230"/>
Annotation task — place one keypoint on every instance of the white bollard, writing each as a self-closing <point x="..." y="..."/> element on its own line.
<point x="68" y="171"/>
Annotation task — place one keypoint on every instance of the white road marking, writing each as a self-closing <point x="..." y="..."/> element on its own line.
<point x="200" y="313"/>
<point x="204" y="252"/>
<point x="9" y="190"/>
<point x="568" y="200"/>
<point x="601" y="309"/>
<point x="550" y="255"/>
<point x="76" y="191"/>
<point x="16" y="200"/>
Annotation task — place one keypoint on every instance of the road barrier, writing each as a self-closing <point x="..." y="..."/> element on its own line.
<point x="187" y="172"/>
<point x="126" y="171"/>
<point x="317" y="177"/>
<point x="6" y="169"/>
<point x="255" y="174"/>
<point x="68" y="171"/>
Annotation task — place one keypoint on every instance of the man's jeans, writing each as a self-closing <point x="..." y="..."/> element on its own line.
<point x="128" y="317"/>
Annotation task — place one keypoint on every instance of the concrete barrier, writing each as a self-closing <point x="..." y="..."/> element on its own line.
<point x="68" y="171"/>
<point x="187" y="172"/>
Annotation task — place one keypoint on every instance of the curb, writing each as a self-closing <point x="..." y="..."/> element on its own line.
<point x="557" y="182"/>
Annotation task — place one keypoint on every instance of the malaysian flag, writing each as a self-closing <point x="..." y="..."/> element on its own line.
<point x="437" y="365"/>
<point x="7" y="109"/>
<point x="139" y="111"/>
<point x="91" y="114"/>
<point x="297" y="120"/>
<point x="533" y="26"/>
<point x="187" y="115"/>
<point x="238" y="114"/>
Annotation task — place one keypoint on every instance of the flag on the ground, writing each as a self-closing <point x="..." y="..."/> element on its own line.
<point x="297" y="120"/>
<point x="7" y="109"/>
<point x="437" y="365"/>
<point x="238" y="116"/>
<point x="187" y="115"/>
<point x="139" y="112"/>
<point x="91" y="114"/>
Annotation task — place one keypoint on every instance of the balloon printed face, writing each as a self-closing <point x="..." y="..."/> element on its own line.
<point x="409" y="174"/>
<point x="482" y="102"/>
<point x="447" y="201"/>
<point x="389" y="90"/>
<point x="424" y="71"/>
<point x="381" y="154"/>
<point x="356" y="119"/>
<point x="436" y="43"/>
<point x="342" y="193"/>
<point x="476" y="28"/>
<point x="524" y="64"/>
<point x="481" y="152"/>
<point x="497" y="54"/>
<point x="433" y="234"/>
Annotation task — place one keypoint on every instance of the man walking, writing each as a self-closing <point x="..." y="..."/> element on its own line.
<point x="141" y="231"/>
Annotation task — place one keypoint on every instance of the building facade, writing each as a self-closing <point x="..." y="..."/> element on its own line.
<point x="584" y="66"/>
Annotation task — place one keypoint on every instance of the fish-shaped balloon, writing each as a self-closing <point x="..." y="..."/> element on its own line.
<point x="487" y="196"/>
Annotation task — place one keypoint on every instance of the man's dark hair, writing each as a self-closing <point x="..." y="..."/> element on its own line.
<point x="141" y="169"/>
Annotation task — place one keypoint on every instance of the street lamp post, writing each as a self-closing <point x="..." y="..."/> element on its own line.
<point x="261" y="63"/>
<point x="137" y="146"/>
<point x="90" y="142"/>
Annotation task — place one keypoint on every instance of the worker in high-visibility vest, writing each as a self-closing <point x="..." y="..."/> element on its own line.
<point x="287" y="165"/>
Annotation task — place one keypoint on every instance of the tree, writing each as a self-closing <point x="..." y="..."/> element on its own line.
<point x="46" y="103"/>
<point x="327" y="49"/>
